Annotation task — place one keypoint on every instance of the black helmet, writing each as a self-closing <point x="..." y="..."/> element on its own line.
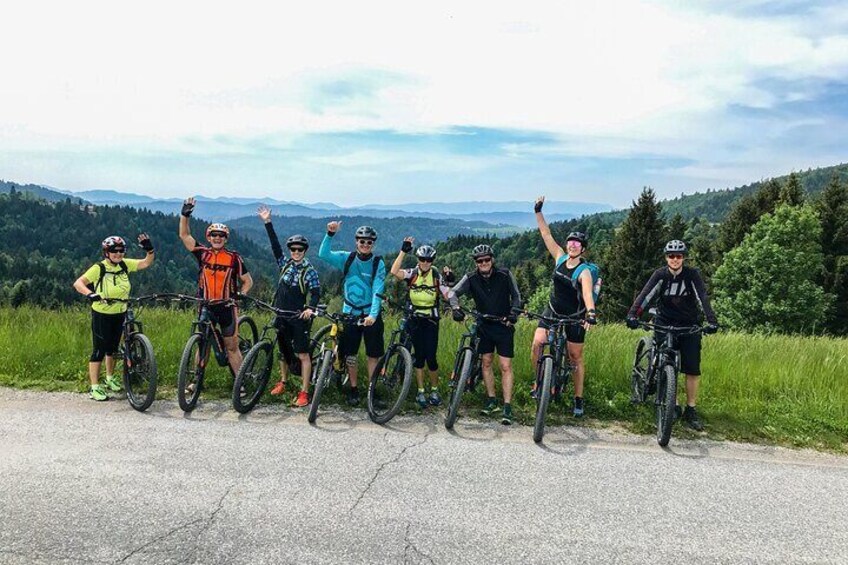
<point x="366" y="232"/>
<point x="297" y="239"/>
<point x="482" y="250"/>
<point x="578" y="236"/>
<point x="675" y="246"/>
<point x="425" y="252"/>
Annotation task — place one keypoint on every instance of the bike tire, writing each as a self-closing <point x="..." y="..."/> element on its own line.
<point x="547" y="368"/>
<point x="140" y="372"/>
<point x="456" y="395"/>
<point x="320" y="336"/>
<point x="248" y="333"/>
<point x="253" y="377"/>
<point x="667" y="405"/>
<point x="191" y="372"/>
<point x="639" y="373"/>
<point x="391" y="386"/>
<point x="320" y="384"/>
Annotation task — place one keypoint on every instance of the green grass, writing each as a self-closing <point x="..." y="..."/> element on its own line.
<point x="767" y="389"/>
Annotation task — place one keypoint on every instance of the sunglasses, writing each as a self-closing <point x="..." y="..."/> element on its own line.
<point x="674" y="256"/>
<point x="365" y="241"/>
<point x="425" y="259"/>
<point x="483" y="260"/>
<point x="218" y="234"/>
<point x="297" y="249"/>
<point x="120" y="250"/>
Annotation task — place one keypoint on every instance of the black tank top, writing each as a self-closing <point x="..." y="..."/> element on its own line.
<point x="565" y="298"/>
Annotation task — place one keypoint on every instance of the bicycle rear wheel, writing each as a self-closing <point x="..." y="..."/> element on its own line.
<point x="666" y="404"/>
<point x="547" y="368"/>
<point x="248" y="333"/>
<point x="192" y="370"/>
<point x="140" y="374"/>
<point x="252" y="377"/>
<point x="464" y="365"/>
<point x="324" y="371"/>
<point x="389" y="384"/>
<point x="639" y="374"/>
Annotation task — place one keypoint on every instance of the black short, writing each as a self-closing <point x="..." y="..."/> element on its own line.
<point x="496" y="336"/>
<point x="425" y="342"/>
<point x="226" y="317"/>
<point x="106" y="330"/>
<point x="690" y="352"/>
<point x="292" y="336"/>
<point x="353" y="334"/>
<point x="573" y="332"/>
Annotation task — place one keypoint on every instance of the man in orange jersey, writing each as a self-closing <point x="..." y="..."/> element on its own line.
<point x="221" y="274"/>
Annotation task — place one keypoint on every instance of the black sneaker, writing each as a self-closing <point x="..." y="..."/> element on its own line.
<point x="578" y="407"/>
<point x="353" y="397"/>
<point x="690" y="416"/>
<point x="506" y="418"/>
<point x="491" y="407"/>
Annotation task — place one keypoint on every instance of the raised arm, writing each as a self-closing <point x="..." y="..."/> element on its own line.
<point x="264" y="214"/>
<point x="147" y="245"/>
<point x="334" y="258"/>
<point x="188" y="207"/>
<point x="405" y="248"/>
<point x="545" y="231"/>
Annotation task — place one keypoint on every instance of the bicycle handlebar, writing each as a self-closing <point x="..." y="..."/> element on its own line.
<point x="682" y="330"/>
<point x="274" y="309"/>
<point x="570" y="320"/>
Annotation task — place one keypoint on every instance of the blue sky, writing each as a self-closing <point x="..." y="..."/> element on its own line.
<point x="386" y="102"/>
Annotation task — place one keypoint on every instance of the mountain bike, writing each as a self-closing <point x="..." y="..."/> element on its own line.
<point x="330" y="364"/>
<point x="205" y="337"/>
<point x="467" y="365"/>
<point x="655" y="369"/>
<point x="392" y="378"/>
<point x="139" y="363"/>
<point x="553" y="369"/>
<point x="253" y="375"/>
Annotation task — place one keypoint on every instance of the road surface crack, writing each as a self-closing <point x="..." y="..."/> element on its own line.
<point x="206" y="521"/>
<point x="382" y="466"/>
<point x="411" y="553"/>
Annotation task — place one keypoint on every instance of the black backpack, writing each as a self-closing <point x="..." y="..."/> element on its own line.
<point x="349" y="261"/>
<point x="96" y="287"/>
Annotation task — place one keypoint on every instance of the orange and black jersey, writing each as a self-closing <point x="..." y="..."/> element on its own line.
<point x="220" y="272"/>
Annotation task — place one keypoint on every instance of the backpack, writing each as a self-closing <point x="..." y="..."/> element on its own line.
<point x="349" y="261"/>
<point x="595" y="272"/>
<point x="97" y="286"/>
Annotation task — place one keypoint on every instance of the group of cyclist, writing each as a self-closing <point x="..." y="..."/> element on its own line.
<point x="223" y="276"/>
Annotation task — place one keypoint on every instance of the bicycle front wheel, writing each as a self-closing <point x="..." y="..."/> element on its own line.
<point x="639" y="374"/>
<point x="192" y="369"/>
<point x="461" y="378"/>
<point x="547" y="368"/>
<point x="324" y="371"/>
<point x="389" y="384"/>
<point x="252" y="377"/>
<point x="140" y="374"/>
<point x="666" y="404"/>
<point x="248" y="333"/>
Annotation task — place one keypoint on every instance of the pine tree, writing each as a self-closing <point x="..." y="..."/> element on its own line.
<point x="793" y="193"/>
<point x="747" y="212"/>
<point x="677" y="227"/>
<point x="832" y="208"/>
<point x="635" y="252"/>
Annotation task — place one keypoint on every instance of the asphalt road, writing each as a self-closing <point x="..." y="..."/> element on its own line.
<point x="85" y="482"/>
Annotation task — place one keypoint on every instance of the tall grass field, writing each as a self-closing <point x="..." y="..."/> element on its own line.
<point x="767" y="389"/>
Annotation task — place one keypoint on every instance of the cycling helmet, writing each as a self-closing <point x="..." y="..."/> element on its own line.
<point x="482" y="250"/>
<point x="297" y="239"/>
<point x="578" y="236"/>
<point x="112" y="243"/>
<point x="675" y="246"/>
<point x="425" y="252"/>
<point x="218" y="227"/>
<point x="366" y="232"/>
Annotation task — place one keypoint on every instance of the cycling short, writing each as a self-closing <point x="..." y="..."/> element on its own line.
<point x="106" y="330"/>
<point x="292" y="336"/>
<point x="226" y="317"/>
<point x="496" y="336"/>
<point x="573" y="332"/>
<point x="373" y="335"/>
<point x="425" y="342"/>
<point x="690" y="352"/>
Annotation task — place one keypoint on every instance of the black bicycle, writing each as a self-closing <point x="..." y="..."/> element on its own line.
<point x="255" y="371"/>
<point x="655" y="369"/>
<point x="467" y="365"/>
<point x="330" y="365"/>
<point x="553" y="369"/>
<point x="392" y="378"/>
<point x="206" y="337"/>
<point x="139" y="363"/>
